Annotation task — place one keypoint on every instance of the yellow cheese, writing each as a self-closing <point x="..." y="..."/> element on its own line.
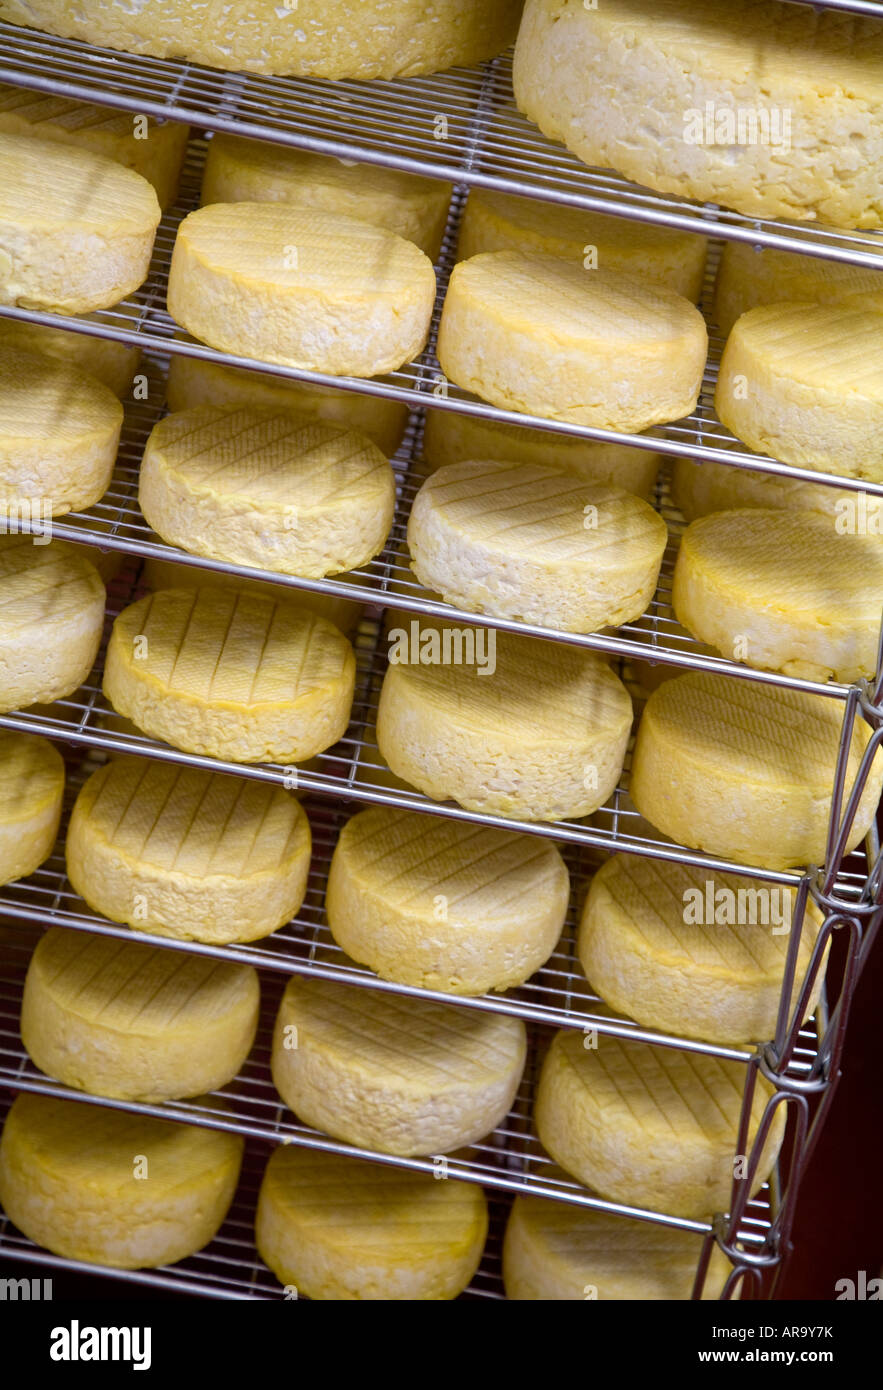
<point x="59" y="433"/>
<point x="152" y="148"/>
<point x="498" y="222"/>
<point x="189" y="854"/>
<point x="531" y="730"/>
<point x="95" y="1184"/>
<point x="772" y="109"/>
<point x="301" y="288"/>
<point x="315" y="38"/>
<point x="249" y="171"/>
<point x="700" y="488"/>
<point x="337" y="1229"/>
<point x="649" y="1126"/>
<point x="783" y="592"/>
<point x="804" y="383"/>
<point x="78" y="233"/>
<point x="400" y="1075"/>
<point x="132" y="1022"/>
<point x="113" y="364"/>
<point x="750" y="276"/>
<point x="230" y="675"/>
<point x="268" y="488"/>
<point x="535" y="544"/>
<point x="694" y="952"/>
<point x="744" y="770"/>
<point x="442" y="904"/>
<point x="51" y="620"/>
<point x="537" y="334"/>
<point x="554" y="1251"/>
<point x="165" y="574"/>
<point x="31" y="791"/>
<point x="192" y="382"/>
<point x="449" y="437"/>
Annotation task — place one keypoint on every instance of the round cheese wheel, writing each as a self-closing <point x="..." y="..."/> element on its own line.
<point x="133" y="1022"/>
<point x="315" y="38"/>
<point x="541" y="335"/>
<point x="154" y="149"/>
<point x="268" y="488"/>
<point x="449" y="437"/>
<point x="230" y="675"/>
<point x="31" y="793"/>
<point x="804" y="384"/>
<point x="530" y="729"/>
<point x="95" y="1184"/>
<point x="442" y="904"/>
<point x="399" y="1075"/>
<point x="301" y="288"/>
<point x="736" y="768"/>
<point x="535" y="544"/>
<point x="700" y="488"/>
<point x="496" y="221"/>
<point x="192" y="382"/>
<point x="194" y="855"/>
<point x="750" y="276"/>
<point x="334" y="1228"/>
<point x="113" y="364"/>
<point x="78" y="235"/>
<point x="648" y="1126"/>
<point x="554" y="1251"/>
<point x="783" y="592"/>
<point x="696" y="953"/>
<point x="52" y="604"/>
<point x="249" y="171"/>
<point x="59" y="434"/>
<point x="772" y="109"/>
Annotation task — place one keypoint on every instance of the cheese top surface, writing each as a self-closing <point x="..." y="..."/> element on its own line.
<point x="42" y="582"/>
<point x="606" y="1244"/>
<point x="260" y="245"/>
<point x="42" y="399"/>
<point x="61" y="187"/>
<point x="820" y="346"/>
<point x="31" y="775"/>
<point x="140" y="990"/>
<point x="486" y="875"/>
<point x="183" y="820"/>
<point x="269" y="457"/>
<point x="221" y="646"/>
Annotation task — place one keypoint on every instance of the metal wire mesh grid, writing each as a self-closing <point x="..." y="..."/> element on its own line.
<point x="462" y="125"/>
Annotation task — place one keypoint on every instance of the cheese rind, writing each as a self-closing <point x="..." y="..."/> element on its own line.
<point x="782" y="592"/>
<point x="59" y="434"/>
<point x="51" y="620"/>
<point x="249" y="171"/>
<point x="96" y="1184"/>
<point x="31" y="793"/>
<point x="694" y="952"/>
<point x="400" y="1075"/>
<point x="700" y="488"/>
<point x="78" y="235"/>
<point x="442" y="904"/>
<point x="152" y="148"/>
<point x="301" y="288"/>
<point x="132" y="1022"/>
<point x="449" y="437"/>
<point x="230" y="675"/>
<point x="316" y="38"/>
<point x="745" y="770"/>
<point x="267" y="488"/>
<point x="113" y="364"/>
<point x="768" y="108"/>
<point x="541" y="736"/>
<point x="804" y="383"/>
<point x="193" y="855"/>
<point x="337" y="1229"/>
<point x="535" y="333"/>
<point x="749" y="277"/>
<point x="496" y="221"/>
<point x="648" y="1126"/>
<point x="535" y="544"/>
